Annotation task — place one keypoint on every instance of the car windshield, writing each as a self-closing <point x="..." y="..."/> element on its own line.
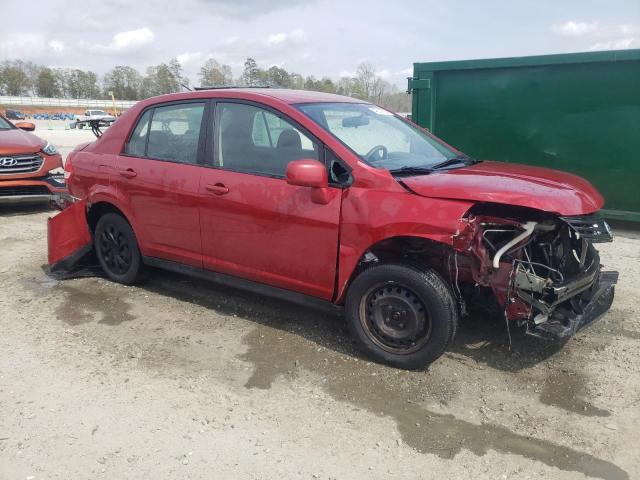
<point x="379" y="137"/>
<point x="4" y="124"/>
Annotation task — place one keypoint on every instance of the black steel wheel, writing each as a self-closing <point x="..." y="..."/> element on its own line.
<point x="117" y="249"/>
<point x="401" y="315"/>
<point x="395" y="318"/>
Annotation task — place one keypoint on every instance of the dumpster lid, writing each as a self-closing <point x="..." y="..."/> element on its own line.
<point x="533" y="60"/>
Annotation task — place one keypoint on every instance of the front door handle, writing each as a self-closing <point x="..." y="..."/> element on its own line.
<point x="128" y="173"/>
<point x="217" y="189"/>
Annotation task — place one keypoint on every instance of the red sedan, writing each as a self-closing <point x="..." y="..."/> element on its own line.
<point x="336" y="203"/>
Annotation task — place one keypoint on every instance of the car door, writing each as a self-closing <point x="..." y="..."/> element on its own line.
<point x="254" y="224"/>
<point x="158" y="175"/>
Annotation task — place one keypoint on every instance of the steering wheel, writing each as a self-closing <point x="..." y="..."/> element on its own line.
<point x="377" y="154"/>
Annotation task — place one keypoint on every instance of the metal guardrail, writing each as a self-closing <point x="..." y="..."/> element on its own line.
<point x="64" y="102"/>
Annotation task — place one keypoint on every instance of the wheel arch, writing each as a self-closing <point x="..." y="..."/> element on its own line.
<point x="104" y="199"/>
<point x="98" y="209"/>
<point x="415" y="250"/>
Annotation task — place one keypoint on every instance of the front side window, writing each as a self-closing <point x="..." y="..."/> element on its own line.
<point x="174" y="133"/>
<point x="254" y="140"/>
<point x="379" y="137"/>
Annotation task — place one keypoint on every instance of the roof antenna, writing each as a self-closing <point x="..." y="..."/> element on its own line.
<point x="186" y="87"/>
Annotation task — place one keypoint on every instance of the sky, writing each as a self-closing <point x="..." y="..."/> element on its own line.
<point x="314" y="37"/>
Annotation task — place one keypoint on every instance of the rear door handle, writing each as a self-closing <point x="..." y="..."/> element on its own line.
<point x="217" y="189"/>
<point x="128" y="173"/>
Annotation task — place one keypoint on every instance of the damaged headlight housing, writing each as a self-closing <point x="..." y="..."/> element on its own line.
<point x="590" y="227"/>
<point x="50" y="149"/>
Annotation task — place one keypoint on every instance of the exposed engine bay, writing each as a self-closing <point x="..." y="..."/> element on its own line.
<point x="543" y="270"/>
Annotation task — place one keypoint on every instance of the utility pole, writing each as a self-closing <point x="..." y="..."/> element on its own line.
<point x="113" y="98"/>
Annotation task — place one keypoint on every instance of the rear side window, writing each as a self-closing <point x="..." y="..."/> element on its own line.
<point x="168" y="133"/>
<point x="175" y="132"/>
<point x="138" y="140"/>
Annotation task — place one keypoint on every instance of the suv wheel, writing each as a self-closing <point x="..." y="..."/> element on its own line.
<point x="117" y="249"/>
<point x="401" y="315"/>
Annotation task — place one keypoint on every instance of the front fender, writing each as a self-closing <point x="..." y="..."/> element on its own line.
<point x="370" y="216"/>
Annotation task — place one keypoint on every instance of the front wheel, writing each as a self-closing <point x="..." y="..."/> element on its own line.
<point x="117" y="249"/>
<point x="401" y="315"/>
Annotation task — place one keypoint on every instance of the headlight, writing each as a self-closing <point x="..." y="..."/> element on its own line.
<point x="50" y="149"/>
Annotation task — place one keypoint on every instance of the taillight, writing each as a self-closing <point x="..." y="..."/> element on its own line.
<point x="68" y="168"/>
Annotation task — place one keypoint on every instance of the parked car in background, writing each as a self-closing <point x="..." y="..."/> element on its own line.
<point x="26" y="165"/>
<point x="14" y="115"/>
<point x="336" y="203"/>
<point x="82" y="120"/>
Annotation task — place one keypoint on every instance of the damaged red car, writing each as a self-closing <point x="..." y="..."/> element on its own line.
<point x="336" y="203"/>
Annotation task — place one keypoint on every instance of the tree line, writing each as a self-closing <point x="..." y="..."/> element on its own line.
<point x="19" y="78"/>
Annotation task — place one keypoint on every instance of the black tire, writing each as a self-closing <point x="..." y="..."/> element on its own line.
<point x="117" y="249"/>
<point x="401" y="315"/>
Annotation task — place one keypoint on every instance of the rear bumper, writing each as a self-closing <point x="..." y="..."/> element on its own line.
<point x="31" y="190"/>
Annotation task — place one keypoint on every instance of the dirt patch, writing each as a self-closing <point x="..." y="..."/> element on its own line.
<point x="567" y="390"/>
<point x="276" y="353"/>
<point x="80" y="306"/>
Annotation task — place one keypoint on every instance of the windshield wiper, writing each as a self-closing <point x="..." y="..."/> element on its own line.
<point x="452" y="161"/>
<point x="411" y="171"/>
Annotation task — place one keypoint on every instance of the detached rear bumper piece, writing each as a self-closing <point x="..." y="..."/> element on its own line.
<point x="68" y="237"/>
<point x="583" y="309"/>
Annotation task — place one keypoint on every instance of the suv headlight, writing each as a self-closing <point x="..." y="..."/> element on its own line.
<point x="50" y="149"/>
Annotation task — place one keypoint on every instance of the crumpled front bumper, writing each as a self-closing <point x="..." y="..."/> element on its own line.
<point x="581" y="310"/>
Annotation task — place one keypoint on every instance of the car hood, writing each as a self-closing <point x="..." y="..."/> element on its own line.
<point x="511" y="184"/>
<point x="18" y="141"/>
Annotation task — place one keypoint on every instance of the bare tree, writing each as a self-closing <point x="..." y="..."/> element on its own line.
<point x="163" y="78"/>
<point x="251" y="73"/>
<point x="47" y="83"/>
<point x="125" y="83"/>
<point x="15" y="78"/>
<point x="214" y="74"/>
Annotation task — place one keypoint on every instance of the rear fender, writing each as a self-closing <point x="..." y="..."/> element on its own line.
<point x="105" y="194"/>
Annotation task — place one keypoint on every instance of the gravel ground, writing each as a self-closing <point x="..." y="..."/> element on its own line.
<point x="179" y="378"/>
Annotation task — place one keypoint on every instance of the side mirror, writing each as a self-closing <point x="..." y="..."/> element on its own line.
<point x="307" y="173"/>
<point x="26" y="126"/>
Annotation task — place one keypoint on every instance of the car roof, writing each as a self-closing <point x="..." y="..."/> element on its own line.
<point x="284" y="95"/>
<point x="301" y="96"/>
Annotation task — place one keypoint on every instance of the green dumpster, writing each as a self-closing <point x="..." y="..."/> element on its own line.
<point x="576" y="112"/>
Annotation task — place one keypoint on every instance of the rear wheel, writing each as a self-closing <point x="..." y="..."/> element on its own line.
<point x="117" y="249"/>
<point x="401" y="315"/>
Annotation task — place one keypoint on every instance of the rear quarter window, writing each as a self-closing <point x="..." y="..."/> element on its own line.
<point x="138" y="140"/>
